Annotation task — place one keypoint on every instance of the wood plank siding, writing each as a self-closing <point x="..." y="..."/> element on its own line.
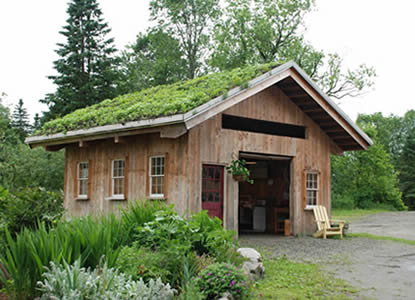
<point x="138" y="149"/>
<point x="206" y="143"/>
<point x="211" y="144"/>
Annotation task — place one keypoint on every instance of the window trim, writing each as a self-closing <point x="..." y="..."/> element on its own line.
<point x="157" y="196"/>
<point x="80" y="196"/>
<point x="310" y="206"/>
<point x="117" y="196"/>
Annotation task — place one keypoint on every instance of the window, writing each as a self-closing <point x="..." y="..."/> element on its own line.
<point x="157" y="176"/>
<point x="82" y="180"/>
<point x="312" y="188"/>
<point x="118" y="177"/>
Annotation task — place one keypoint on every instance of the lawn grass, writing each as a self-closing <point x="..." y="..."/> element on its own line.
<point x="349" y="215"/>
<point x="382" y="238"/>
<point x="285" y="279"/>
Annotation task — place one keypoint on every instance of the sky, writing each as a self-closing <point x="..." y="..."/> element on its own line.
<point x="378" y="33"/>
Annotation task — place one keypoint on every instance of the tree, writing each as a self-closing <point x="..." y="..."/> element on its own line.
<point x="21" y="167"/>
<point x="364" y="179"/>
<point x="190" y="22"/>
<point x="260" y="31"/>
<point x="36" y="122"/>
<point x="87" y="66"/>
<point x="154" y="59"/>
<point x="407" y="170"/>
<point x="392" y="131"/>
<point x="20" y="120"/>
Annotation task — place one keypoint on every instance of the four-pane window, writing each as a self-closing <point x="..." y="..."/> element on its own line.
<point x="312" y="188"/>
<point x="83" y="179"/>
<point x="157" y="176"/>
<point x="118" y="177"/>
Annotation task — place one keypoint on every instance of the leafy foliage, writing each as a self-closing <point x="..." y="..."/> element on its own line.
<point x="74" y="282"/>
<point x="87" y="66"/>
<point x="220" y="278"/>
<point x="154" y="59"/>
<point x="190" y="22"/>
<point x="95" y="240"/>
<point x="238" y="168"/>
<point x="21" y="167"/>
<point x="364" y="179"/>
<point x="158" y="101"/>
<point x="86" y="239"/>
<point x="200" y="234"/>
<point x="260" y="31"/>
<point x="26" y="207"/>
<point x="407" y="167"/>
<point x="392" y="131"/>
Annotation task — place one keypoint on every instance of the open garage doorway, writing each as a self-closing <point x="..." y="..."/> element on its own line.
<point x="264" y="206"/>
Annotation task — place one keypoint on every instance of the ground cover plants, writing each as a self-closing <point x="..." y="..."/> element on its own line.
<point x="285" y="279"/>
<point x="163" y="100"/>
<point x="147" y="246"/>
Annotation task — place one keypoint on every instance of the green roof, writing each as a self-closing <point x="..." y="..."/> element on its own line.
<point x="159" y="101"/>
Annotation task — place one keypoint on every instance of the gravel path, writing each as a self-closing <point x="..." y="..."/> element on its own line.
<point x="383" y="270"/>
<point x="396" y="224"/>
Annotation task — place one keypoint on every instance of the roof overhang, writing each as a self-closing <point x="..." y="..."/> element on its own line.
<point x="289" y="77"/>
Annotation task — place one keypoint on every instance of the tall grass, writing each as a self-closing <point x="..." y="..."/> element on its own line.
<point x="89" y="239"/>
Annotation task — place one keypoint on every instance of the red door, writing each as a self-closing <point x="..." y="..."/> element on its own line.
<point x="212" y="190"/>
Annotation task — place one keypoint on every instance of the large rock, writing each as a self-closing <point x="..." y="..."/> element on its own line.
<point x="253" y="268"/>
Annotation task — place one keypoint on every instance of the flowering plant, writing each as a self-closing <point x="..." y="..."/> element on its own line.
<point x="219" y="278"/>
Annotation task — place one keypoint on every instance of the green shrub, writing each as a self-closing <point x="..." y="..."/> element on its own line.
<point x="137" y="214"/>
<point x="342" y="202"/>
<point x="86" y="239"/>
<point x="200" y="234"/>
<point x="191" y="292"/>
<point x="24" y="208"/>
<point x="220" y="278"/>
<point x="74" y="282"/>
<point x="173" y="267"/>
<point x="144" y="263"/>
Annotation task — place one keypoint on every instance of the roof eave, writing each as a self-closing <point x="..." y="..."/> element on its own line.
<point x="115" y="129"/>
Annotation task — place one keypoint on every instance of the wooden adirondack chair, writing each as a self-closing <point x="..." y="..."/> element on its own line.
<point x="324" y="224"/>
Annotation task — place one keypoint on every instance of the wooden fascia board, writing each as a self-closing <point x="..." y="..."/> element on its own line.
<point x="102" y="132"/>
<point x="316" y="96"/>
<point x="167" y="131"/>
<point x="193" y="119"/>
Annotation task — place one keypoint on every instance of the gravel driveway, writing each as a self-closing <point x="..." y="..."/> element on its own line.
<point x="381" y="269"/>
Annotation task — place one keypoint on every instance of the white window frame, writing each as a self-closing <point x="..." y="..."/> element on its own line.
<point x="156" y="196"/>
<point x="79" y="180"/>
<point x="317" y="190"/>
<point x="117" y="196"/>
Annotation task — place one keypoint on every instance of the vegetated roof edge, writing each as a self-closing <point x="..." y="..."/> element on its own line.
<point x="201" y="109"/>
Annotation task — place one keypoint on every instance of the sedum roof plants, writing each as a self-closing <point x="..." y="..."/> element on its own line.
<point x="163" y="100"/>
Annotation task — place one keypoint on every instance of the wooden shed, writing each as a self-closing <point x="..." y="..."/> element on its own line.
<point x="148" y="145"/>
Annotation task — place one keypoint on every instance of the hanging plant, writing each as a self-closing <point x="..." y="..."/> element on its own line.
<point x="239" y="171"/>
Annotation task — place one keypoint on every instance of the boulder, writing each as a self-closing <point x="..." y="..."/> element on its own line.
<point x="253" y="268"/>
<point x="226" y="296"/>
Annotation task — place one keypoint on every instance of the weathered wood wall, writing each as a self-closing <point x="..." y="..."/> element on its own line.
<point x="138" y="149"/>
<point x="206" y="143"/>
<point x="209" y="143"/>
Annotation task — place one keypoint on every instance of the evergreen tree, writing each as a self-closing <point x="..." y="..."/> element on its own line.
<point x="36" y="122"/>
<point x="87" y="65"/>
<point x="407" y="166"/>
<point x="20" y="120"/>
